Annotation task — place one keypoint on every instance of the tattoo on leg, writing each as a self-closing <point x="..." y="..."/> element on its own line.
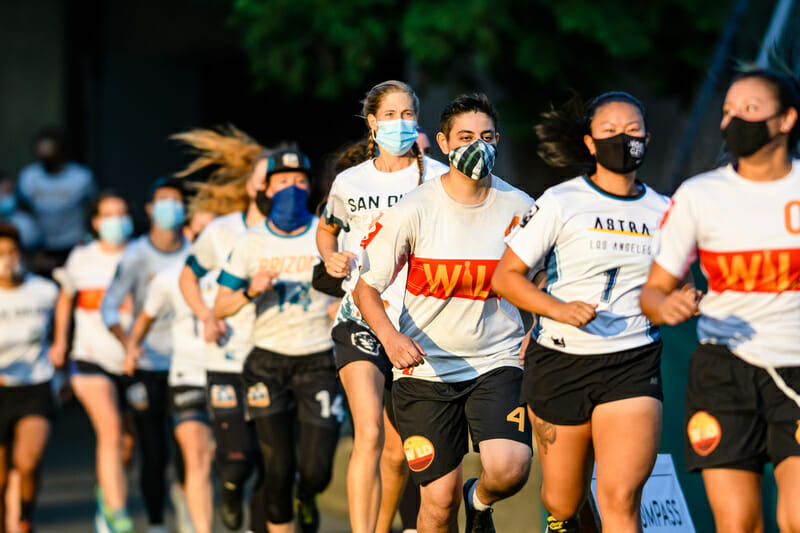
<point x="545" y="433"/>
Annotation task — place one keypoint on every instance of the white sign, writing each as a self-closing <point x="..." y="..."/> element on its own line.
<point x="664" y="508"/>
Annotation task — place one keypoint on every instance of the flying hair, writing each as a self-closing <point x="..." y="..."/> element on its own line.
<point x="562" y="129"/>
<point x="232" y="156"/>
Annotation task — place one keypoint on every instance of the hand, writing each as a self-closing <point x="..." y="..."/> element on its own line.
<point x="213" y="328"/>
<point x="524" y="348"/>
<point x="132" y="355"/>
<point x="576" y="314"/>
<point x="403" y="351"/>
<point x="680" y="305"/>
<point x="262" y="281"/>
<point x="333" y="308"/>
<point x="338" y="264"/>
<point x="57" y="353"/>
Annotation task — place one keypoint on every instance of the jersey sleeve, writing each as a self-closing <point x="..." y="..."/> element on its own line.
<point x="387" y="248"/>
<point x="336" y="209"/>
<point x="157" y="301"/>
<point x="65" y="276"/>
<point x="203" y="256"/>
<point x="676" y="239"/>
<point x="537" y="232"/>
<point x="121" y="285"/>
<point x="234" y="274"/>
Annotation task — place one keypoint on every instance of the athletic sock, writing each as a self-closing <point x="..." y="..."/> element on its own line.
<point x="477" y="504"/>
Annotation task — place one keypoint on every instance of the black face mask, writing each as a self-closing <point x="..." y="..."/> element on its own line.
<point x="51" y="164"/>
<point x="263" y="202"/>
<point x="745" y="138"/>
<point x="621" y="153"/>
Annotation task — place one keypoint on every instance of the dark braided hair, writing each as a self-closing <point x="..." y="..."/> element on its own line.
<point x="561" y="131"/>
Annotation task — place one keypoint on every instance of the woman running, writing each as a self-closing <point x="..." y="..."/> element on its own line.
<point x="358" y="198"/>
<point x="292" y="392"/>
<point x="235" y="190"/>
<point x="146" y="393"/>
<point x="187" y="375"/>
<point x="592" y="367"/>
<point x="743" y="220"/>
<point x="26" y="310"/>
<point x="455" y="350"/>
<point x="96" y="358"/>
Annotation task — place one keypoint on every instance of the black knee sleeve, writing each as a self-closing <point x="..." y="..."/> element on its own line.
<point x="276" y="439"/>
<point x="317" y="447"/>
<point x="151" y="437"/>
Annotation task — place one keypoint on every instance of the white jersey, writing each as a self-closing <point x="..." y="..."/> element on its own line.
<point x="209" y="253"/>
<point x="59" y="201"/>
<point x="164" y="297"/>
<point x="597" y="248"/>
<point x="138" y="266"/>
<point x="291" y="318"/>
<point x="359" y="197"/>
<point x="26" y="313"/>
<point x="86" y="276"/>
<point x="747" y="234"/>
<point x="451" y="250"/>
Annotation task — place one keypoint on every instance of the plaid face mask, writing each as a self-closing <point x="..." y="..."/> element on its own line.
<point x="475" y="160"/>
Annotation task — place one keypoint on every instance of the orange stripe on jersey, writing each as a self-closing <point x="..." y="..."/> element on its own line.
<point x="446" y="278"/>
<point x="92" y="299"/>
<point x="752" y="270"/>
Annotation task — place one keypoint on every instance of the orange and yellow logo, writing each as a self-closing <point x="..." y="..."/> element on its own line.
<point x="419" y="452"/>
<point x="704" y="433"/>
<point x="446" y="278"/>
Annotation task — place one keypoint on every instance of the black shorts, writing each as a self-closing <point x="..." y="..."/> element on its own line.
<point x="433" y="418"/>
<point x="354" y="342"/>
<point x="279" y="383"/>
<point x="225" y="395"/>
<point x="736" y="416"/>
<point x="146" y="391"/>
<point x="564" y="389"/>
<point x="188" y="404"/>
<point x="85" y="368"/>
<point x="20" y="401"/>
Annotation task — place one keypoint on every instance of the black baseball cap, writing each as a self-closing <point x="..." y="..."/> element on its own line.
<point x="288" y="161"/>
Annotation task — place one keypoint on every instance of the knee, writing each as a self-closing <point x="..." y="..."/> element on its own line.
<point x="559" y="506"/>
<point x="441" y="507"/>
<point x="508" y="477"/>
<point x="394" y="457"/>
<point x="788" y="518"/>
<point x="368" y="437"/>
<point x="616" y="498"/>
<point x="26" y="464"/>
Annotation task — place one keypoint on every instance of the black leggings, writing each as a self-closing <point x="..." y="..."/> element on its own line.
<point x="237" y="457"/>
<point x="280" y="447"/>
<point x="147" y="401"/>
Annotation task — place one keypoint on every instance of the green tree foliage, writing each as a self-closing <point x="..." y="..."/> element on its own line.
<point x="530" y="47"/>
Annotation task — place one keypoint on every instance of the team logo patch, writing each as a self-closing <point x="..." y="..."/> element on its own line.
<point x="704" y="433"/>
<point x="223" y="396"/>
<point x="258" y="395"/>
<point x="137" y="396"/>
<point x="291" y="160"/>
<point x="419" y="452"/>
<point x="365" y="342"/>
<point x="528" y="216"/>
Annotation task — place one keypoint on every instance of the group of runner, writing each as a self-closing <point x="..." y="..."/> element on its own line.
<point x="468" y="313"/>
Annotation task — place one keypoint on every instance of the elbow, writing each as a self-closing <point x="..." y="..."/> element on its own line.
<point x="649" y="310"/>
<point x="358" y="293"/>
<point x="499" y="283"/>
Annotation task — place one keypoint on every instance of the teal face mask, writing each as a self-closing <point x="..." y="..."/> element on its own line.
<point x="168" y="214"/>
<point x="116" y="230"/>
<point x="396" y="136"/>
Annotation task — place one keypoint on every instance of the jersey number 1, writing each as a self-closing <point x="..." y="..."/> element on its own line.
<point x="611" y="280"/>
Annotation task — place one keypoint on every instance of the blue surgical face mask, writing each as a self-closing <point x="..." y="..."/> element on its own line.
<point x="396" y="136"/>
<point x="116" y="230"/>
<point x="8" y="204"/>
<point x="289" y="210"/>
<point x="168" y="213"/>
